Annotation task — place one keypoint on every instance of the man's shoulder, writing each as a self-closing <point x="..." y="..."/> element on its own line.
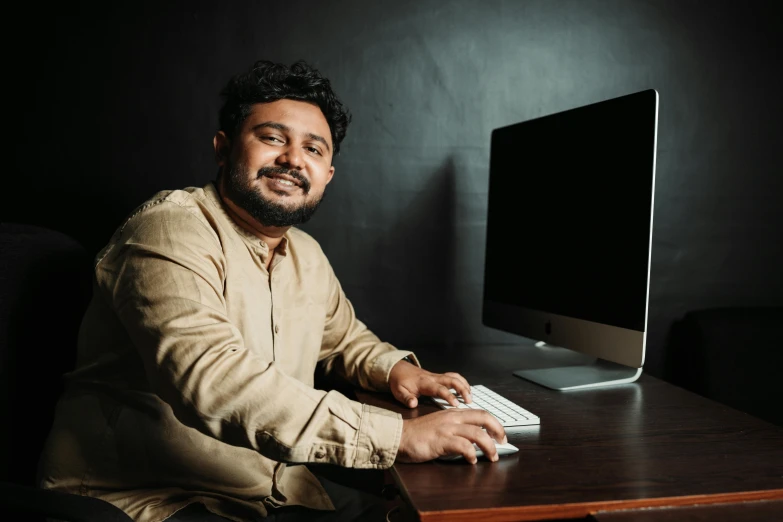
<point x="303" y="241"/>
<point x="180" y="212"/>
<point x="307" y="252"/>
<point x="305" y="247"/>
<point x="189" y="200"/>
<point x="168" y="204"/>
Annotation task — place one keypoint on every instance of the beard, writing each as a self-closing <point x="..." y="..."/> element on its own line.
<point x="267" y="212"/>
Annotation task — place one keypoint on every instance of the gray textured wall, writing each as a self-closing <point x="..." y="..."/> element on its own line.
<point x="125" y="104"/>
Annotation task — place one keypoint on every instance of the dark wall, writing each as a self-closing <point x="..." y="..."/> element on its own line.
<point x="115" y="103"/>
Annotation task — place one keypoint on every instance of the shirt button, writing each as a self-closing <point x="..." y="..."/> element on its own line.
<point x="320" y="453"/>
<point x="375" y="459"/>
<point x="277" y="328"/>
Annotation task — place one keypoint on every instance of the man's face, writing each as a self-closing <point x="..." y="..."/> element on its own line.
<point x="280" y="162"/>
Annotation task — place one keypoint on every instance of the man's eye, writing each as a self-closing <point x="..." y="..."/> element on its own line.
<point x="314" y="150"/>
<point x="272" y="138"/>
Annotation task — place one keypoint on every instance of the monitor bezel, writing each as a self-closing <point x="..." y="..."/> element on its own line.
<point x="611" y="343"/>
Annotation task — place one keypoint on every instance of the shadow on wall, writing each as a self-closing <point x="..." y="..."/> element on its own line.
<point x="731" y="355"/>
<point x="411" y="269"/>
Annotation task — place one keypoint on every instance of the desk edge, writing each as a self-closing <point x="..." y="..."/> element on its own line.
<point x="583" y="509"/>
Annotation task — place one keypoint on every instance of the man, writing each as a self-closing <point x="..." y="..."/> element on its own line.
<point x="194" y="383"/>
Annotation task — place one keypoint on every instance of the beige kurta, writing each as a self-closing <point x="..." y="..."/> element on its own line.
<point x="194" y="379"/>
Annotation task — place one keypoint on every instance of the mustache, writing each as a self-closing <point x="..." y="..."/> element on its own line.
<point x="267" y="171"/>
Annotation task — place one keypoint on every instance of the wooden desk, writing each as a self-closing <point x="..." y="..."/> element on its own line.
<point x="646" y="444"/>
<point x="757" y="511"/>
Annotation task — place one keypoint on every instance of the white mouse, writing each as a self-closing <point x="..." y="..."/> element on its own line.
<point x="503" y="449"/>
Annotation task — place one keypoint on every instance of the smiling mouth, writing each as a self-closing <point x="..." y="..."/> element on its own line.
<point x="285" y="182"/>
<point x="284" y="186"/>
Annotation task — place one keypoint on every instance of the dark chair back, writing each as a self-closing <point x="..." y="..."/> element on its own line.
<point x="733" y="355"/>
<point x="45" y="285"/>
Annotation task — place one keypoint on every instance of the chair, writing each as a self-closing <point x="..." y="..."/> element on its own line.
<point x="45" y="285"/>
<point x="732" y="355"/>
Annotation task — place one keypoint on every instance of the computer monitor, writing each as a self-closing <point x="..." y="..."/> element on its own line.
<point x="569" y="233"/>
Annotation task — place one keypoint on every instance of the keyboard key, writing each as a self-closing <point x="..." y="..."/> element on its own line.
<point x="508" y="413"/>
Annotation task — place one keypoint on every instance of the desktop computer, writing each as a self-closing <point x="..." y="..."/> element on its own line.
<point x="569" y="233"/>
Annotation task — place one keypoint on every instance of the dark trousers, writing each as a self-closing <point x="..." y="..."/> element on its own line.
<point x="352" y="505"/>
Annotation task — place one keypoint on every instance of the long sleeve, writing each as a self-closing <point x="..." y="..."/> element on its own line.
<point x="165" y="277"/>
<point x="351" y="350"/>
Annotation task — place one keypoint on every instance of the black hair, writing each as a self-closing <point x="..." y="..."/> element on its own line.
<point x="266" y="82"/>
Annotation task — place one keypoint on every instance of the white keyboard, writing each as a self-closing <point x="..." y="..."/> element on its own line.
<point x="508" y="413"/>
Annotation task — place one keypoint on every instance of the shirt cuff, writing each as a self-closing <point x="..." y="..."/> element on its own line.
<point x="378" y="439"/>
<point x="383" y="364"/>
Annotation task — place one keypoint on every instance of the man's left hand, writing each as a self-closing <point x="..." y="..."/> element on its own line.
<point x="408" y="382"/>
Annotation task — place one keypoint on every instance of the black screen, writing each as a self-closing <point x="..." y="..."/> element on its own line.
<point x="569" y="216"/>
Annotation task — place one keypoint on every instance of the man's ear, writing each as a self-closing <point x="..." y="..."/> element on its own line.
<point x="331" y="174"/>
<point x="222" y="146"/>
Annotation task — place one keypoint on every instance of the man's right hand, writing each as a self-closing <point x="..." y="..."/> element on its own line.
<point x="450" y="432"/>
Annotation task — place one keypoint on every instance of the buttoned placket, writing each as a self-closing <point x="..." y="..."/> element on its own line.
<point x="275" y="327"/>
<point x="274" y="268"/>
<point x="262" y="251"/>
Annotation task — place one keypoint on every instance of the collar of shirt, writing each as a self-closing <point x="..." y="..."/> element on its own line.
<point x="257" y="244"/>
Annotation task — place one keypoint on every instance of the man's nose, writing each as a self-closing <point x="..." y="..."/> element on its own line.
<point x="292" y="158"/>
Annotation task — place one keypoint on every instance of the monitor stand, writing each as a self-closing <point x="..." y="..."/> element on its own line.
<point x="577" y="371"/>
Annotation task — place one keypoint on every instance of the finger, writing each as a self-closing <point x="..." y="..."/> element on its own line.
<point x="406" y="397"/>
<point x="460" y="446"/>
<point x="455" y="375"/>
<point x="445" y="394"/>
<point x="459" y="385"/>
<point x="481" y="438"/>
<point x="484" y="420"/>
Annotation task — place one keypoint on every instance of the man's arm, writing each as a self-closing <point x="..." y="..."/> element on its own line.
<point x="164" y="278"/>
<point x="351" y="350"/>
